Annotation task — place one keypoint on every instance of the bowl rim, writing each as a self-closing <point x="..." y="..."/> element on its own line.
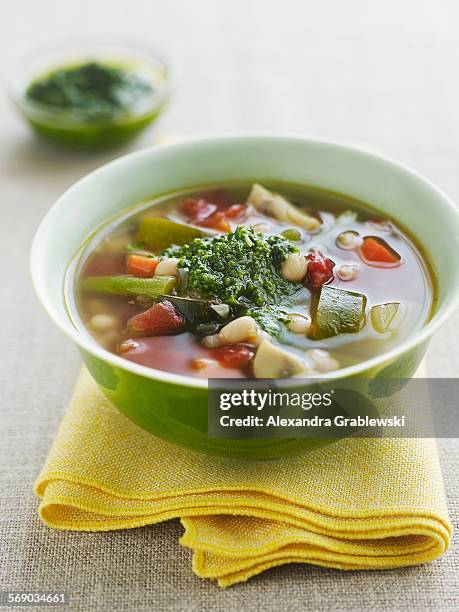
<point x="90" y="345"/>
<point x="79" y="48"/>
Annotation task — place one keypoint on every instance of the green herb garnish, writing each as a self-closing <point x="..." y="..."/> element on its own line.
<point x="240" y="268"/>
<point x="93" y="91"/>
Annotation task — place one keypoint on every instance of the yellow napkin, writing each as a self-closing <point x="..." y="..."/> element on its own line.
<point x="356" y="504"/>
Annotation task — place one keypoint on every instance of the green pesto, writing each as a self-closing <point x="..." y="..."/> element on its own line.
<point x="91" y="91"/>
<point x="240" y="268"/>
<point x="271" y="318"/>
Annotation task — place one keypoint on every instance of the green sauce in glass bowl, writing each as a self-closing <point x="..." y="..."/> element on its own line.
<point x="98" y="98"/>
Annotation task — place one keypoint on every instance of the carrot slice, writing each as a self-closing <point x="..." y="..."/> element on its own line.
<point x="139" y="265"/>
<point x="376" y="250"/>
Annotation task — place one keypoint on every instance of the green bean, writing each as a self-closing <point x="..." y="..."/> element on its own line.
<point x="129" y="285"/>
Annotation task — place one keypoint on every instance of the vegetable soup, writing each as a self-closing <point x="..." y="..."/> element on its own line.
<point x="251" y="280"/>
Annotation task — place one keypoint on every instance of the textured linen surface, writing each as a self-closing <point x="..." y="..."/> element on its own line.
<point x="350" y="71"/>
<point x="356" y="504"/>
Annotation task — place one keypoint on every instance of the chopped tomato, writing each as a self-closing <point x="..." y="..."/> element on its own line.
<point x="197" y="209"/>
<point x="159" y="320"/>
<point x="217" y="221"/>
<point x="206" y="214"/>
<point x="235" y="210"/>
<point x="234" y="356"/>
<point x="376" y="250"/>
<point x="139" y="265"/>
<point x="221" y="197"/>
<point x="320" y="270"/>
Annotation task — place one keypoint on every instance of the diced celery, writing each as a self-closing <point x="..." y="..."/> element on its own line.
<point x="336" y="312"/>
<point x="382" y="316"/>
<point x="159" y="233"/>
<point x="129" y="285"/>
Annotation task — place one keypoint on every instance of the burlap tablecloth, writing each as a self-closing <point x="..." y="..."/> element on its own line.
<point x="383" y="74"/>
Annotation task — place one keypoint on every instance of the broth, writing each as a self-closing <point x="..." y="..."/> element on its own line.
<point x="355" y="261"/>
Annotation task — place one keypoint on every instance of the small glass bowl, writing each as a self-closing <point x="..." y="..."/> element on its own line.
<point x="71" y="130"/>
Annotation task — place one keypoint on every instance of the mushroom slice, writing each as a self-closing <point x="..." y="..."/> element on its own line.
<point x="279" y="208"/>
<point x="271" y="361"/>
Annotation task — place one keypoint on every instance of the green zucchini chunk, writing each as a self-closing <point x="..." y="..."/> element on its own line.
<point x="336" y="311"/>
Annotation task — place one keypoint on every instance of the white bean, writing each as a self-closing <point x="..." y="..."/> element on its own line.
<point x="299" y="324"/>
<point x="348" y="272"/>
<point x="167" y="267"/>
<point x="243" y="329"/>
<point x="200" y="363"/>
<point x="294" y="267"/>
<point x="127" y="345"/>
<point x="262" y="227"/>
<point x="349" y="240"/>
<point x="323" y="361"/>
<point x="103" y="322"/>
<point x="212" y="341"/>
<point x="95" y="306"/>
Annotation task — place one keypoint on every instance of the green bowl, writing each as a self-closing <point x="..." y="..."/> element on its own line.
<point x="172" y="406"/>
<point x="67" y="129"/>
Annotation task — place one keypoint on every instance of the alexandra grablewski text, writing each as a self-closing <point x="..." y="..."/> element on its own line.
<point x="333" y="409"/>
